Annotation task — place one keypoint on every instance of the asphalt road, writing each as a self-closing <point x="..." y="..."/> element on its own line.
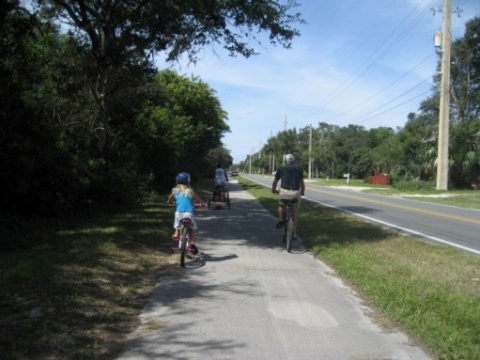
<point x="244" y="297"/>
<point x="453" y="226"/>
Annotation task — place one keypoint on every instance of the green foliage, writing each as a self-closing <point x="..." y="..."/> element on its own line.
<point x="180" y="124"/>
<point x="84" y="119"/>
<point x="465" y="73"/>
<point x="48" y="142"/>
<point x="465" y="153"/>
<point x="177" y="27"/>
<point x="408" y="184"/>
<point x="218" y="156"/>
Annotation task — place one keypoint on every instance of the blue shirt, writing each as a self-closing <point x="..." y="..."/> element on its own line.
<point x="183" y="200"/>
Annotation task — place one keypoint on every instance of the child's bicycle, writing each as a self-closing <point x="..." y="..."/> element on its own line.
<point x="184" y="241"/>
<point x="184" y="246"/>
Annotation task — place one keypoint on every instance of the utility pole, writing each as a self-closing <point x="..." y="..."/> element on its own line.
<point x="444" y="115"/>
<point x="250" y="164"/>
<point x="310" y="154"/>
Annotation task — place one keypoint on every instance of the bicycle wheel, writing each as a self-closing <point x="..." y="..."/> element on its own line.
<point x="183" y="246"/>
<point x="289" y="230"/>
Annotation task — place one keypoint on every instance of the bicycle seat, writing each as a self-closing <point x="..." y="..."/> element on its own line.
<point x="186" y="221"/>
<point x="289" y="201"/>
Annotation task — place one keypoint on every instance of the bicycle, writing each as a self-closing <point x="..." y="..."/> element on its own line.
<point x="184" y="240"/>
<point x="184" y="246"/>
<point x="288" y="222"/>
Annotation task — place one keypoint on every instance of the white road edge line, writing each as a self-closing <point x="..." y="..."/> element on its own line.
<point x="406" y="230"/>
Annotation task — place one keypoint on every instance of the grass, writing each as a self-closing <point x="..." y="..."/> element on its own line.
<point x="73" y="289"/>
<point x="467" y="199"/>
<point x="432" y="291"/>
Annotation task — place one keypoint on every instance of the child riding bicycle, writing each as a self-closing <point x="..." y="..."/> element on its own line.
<point x="184" y="197"/>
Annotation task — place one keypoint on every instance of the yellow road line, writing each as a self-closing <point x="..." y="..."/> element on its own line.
<point x="429" y="212"/>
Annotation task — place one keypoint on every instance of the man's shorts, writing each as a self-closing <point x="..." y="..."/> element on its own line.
<point x="289" y="195"/>
<point x="182" y="215"/>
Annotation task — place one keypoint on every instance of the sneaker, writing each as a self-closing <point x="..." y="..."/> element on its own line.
<point x="193" y="249"/>
<point x="280" y="224"/>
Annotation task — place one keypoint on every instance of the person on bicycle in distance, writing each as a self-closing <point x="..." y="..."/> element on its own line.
<point x="220" y="176"/>
<point x="292" y="186"/>
<point x="184" y="197"/>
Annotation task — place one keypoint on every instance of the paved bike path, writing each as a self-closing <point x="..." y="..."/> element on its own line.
<point x="244" y="297"/>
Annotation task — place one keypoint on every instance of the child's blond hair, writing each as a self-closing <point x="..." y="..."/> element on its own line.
<point x="187" y="190"/>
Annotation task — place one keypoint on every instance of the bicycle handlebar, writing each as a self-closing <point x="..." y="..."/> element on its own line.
<point x="195" y="205"/>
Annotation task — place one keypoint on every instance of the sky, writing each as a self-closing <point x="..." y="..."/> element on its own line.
<point x="367" y="63"/>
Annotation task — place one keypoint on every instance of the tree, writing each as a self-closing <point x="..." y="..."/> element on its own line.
<point x="217" y="156"/>
<point x="181" y="123"/>
<point x="323" y="150"/>
<point x="385" y="149"/>
<point x="351" y="151"/>
<point x="465" y="153"/>
<point x="287" y="142"/>
<point x="122" y="32"/>
<point x="465" y="73"/>
<point x="40" y="115"/>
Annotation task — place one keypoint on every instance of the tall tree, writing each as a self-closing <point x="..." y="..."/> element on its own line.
<point x="351" y="146"/>
<point x="385" y="149"/>
<point x="465" y="73"/>
<point x="181" y="122"/>
<point x="324" y="152"/>
<point x="120" y="32"/>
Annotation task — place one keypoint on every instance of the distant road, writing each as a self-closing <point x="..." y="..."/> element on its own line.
<point x="454" y="226"/>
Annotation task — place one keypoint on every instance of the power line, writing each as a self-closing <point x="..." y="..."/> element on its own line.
<point x="385" y="46"/>
<point x="370" y="98"/>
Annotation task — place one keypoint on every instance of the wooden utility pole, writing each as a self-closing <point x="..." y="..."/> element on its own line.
<point x="310" y="154"/>
<point x="444" y="116"/>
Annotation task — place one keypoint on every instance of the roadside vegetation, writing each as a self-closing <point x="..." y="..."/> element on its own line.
<point x="76" y="286"/>
<point x="85" y="123"/>
<point x="430" y="290"/>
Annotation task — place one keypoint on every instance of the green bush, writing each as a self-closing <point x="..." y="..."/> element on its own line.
<point x="413" y="185"/>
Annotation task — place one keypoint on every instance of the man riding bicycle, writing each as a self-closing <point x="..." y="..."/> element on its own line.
<point x="292" y="186"/>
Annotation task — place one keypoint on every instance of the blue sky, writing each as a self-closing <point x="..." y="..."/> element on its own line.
<point x="367" y="62"/>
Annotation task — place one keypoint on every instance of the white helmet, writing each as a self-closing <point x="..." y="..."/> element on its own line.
<point x="289" y="159"/>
